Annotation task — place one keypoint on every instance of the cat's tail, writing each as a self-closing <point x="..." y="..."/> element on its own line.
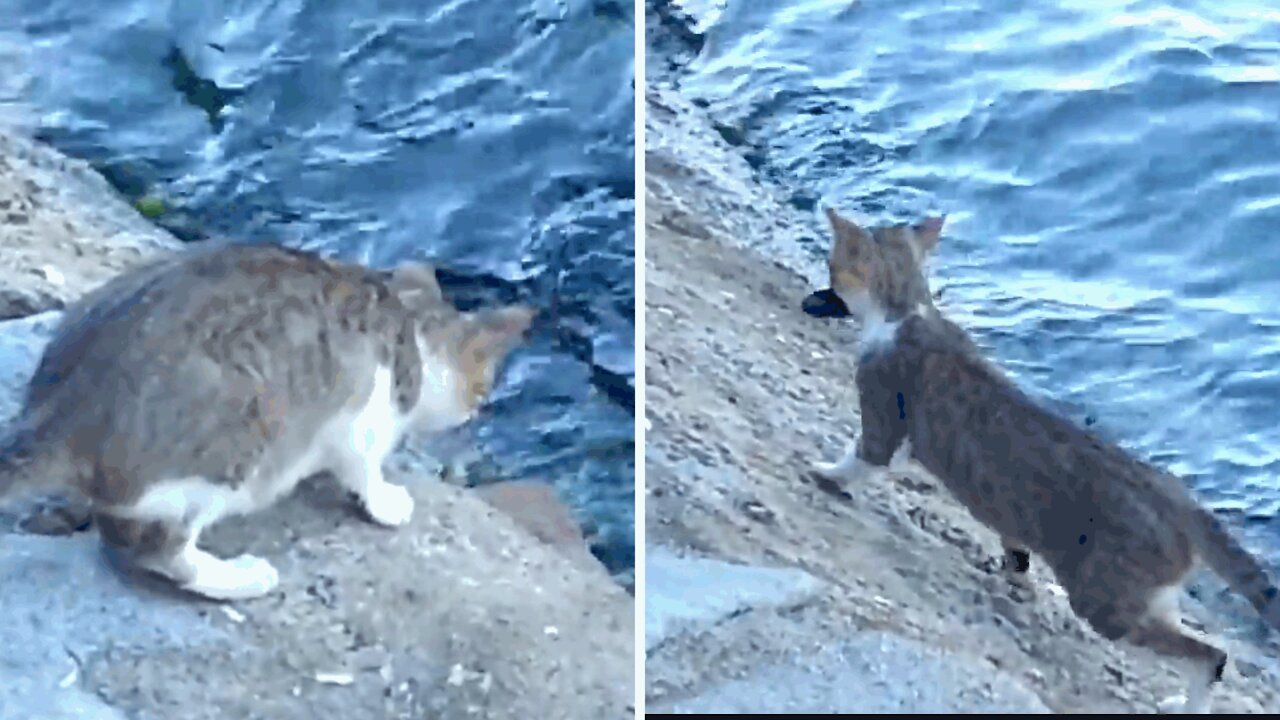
<point x="26" y="461"/>
<point x="1246" y="575"/>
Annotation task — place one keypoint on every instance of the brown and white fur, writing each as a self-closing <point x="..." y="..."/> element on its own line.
<point x="210" y="383"/>
<point x="1120" y="535"/>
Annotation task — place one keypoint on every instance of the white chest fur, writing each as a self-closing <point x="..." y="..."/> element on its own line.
<point x="440" y="406"/>
<point x="374" y="429"/>
<point x="878" y="333"/>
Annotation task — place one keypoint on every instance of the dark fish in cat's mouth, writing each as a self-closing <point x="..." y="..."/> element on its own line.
<point x="825" y="304"/>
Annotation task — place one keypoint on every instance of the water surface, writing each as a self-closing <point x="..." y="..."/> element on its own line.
<point x="1111" y="173"/>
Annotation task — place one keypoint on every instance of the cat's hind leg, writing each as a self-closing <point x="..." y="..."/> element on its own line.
<point x="169" y="549"/>
<point x="159" y="533"/>
<point x="851" y="470"/>
<point x="1149" y="618"/>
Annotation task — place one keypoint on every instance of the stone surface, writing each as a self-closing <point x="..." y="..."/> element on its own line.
<point x="537" y="508"/>
<point x="63" y="229"/>
<point x="459" y="614"/>
<point x="21" y="342"/>
<point x="874" y="673"/>
<point x="686" y="593"/>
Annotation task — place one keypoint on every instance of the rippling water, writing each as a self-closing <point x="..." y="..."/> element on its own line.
<point x="494" y="138"/>
<point x="1111" y="173"/>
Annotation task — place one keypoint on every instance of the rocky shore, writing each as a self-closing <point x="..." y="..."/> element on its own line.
<point x="486" y="605"/>
<point x="888" y="600"/>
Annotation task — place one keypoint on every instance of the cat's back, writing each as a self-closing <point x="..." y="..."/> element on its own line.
<point x="185" y="300"/>
<point x="239" y="280"/>
<point x="206" y="328"/>
<point x="1023" y="466"/>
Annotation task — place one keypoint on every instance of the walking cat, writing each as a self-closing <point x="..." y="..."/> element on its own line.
<point x="210" y="383"/>
<point x="1120" y="534"/>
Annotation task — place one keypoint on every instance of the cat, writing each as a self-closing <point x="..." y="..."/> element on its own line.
<point x="210" y="383"/>
<point x="1120" y="534"/>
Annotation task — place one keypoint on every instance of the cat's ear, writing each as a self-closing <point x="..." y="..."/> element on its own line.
<point x="928" y="232"/>
<point x="853" y="245"/>
<point x="415" y="285"/>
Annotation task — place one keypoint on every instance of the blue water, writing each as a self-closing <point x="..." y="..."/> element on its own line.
<point x="1111" y="175"/>
<point x="494" y="138"/>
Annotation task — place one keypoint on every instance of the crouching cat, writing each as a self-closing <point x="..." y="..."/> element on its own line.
<point x="1120" y="534"/>
<point x="210" y="383"/>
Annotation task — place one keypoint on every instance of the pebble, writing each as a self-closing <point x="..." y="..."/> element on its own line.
<point x="334" y="678"/>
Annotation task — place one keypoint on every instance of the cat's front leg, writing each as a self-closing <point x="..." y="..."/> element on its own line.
<point x="854" y="468"/>
<point x="849" y="470"/>
<point x="387" y="504"/>
<point x="846" y="470"/>
<point x="883" y="433"/>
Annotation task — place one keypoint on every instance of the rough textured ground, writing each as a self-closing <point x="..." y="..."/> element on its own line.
<point x="487" y="604"/>
<point x="459" y="614"/>
<point x="743" y="393"/>
<point x="62" y="229"/>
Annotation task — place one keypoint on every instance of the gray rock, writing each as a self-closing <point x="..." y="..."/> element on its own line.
<point x="686" y="593"/>
<point x="64" y="230"/>
<point x="468" y="615"/>
<point x="872" y="673"/>
<point x="21" y="343"/>
<point x="62" y="603"/>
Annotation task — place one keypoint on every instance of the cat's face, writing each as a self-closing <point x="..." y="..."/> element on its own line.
<point x="462" y="355"/>
<point x="462" y="352"/>
<point x="487" y="341"/>
<point x="877" y="272"/>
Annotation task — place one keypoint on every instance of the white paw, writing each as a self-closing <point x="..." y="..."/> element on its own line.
<point x="845" y="471"/>
<point x="826" y="471"/>
<point x="257" y="576"/>
<point x="389" y="505"/>
<point x="241" y="578"/>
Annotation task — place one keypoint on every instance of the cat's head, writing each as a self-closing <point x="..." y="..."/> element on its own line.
<point x="462" y="352"/>
<point x="485" y="340"/>
<point x="877" y="272"/>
